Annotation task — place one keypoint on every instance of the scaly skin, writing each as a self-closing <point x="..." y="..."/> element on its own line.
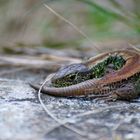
<point x="121" y="84"/>
<point x="77" y="73"/>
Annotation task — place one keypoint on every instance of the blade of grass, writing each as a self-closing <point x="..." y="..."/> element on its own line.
<point x="122" y="9"/>
<point x="117" y="5"/>
<point x="121" y="18"/>
<point x="104" y="10"/>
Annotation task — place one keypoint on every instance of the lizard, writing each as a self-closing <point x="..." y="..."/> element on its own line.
<point x="120" y="82"/>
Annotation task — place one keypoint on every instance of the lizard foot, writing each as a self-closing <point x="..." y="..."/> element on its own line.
<point x="111" y="98"/>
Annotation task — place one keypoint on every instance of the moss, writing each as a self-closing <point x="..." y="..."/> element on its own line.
<point x="100" y="69"/>
<point x="118" y="62"/>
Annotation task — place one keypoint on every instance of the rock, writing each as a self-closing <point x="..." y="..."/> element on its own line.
<point x="22" y="116"/>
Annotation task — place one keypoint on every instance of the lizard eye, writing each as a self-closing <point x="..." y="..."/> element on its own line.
<point x="72" y="77"/>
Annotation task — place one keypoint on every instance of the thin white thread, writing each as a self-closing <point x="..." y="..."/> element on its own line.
<point x="52" y="116"/>
<point x="72" y="25"/>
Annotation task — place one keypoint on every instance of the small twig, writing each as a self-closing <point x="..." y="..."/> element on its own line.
<point x="33" y="62"/>
<point x="51" y="62"/>
<point x="60" y="58"/>
<point x="134" y="47"/>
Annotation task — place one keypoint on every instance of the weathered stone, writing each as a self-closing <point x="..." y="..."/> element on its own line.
<point x="22" y="116"/>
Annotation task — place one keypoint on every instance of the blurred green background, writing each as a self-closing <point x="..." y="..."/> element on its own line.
<point x="29" y="22"/>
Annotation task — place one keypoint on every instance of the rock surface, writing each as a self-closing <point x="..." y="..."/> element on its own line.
<point x="22" y="116"/>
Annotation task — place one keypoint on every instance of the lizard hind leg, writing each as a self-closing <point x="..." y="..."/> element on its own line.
<point x="128" y="92"/>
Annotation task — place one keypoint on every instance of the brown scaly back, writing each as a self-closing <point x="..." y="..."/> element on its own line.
<point x="131" y="67"/>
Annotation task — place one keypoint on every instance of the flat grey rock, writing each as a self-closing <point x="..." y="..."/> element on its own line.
<point x="22" y="116"/>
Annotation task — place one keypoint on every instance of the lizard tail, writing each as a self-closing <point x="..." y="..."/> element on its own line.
<point x="81" y="89"/>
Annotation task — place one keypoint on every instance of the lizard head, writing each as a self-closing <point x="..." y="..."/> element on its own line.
<point x="71" y="74"/>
